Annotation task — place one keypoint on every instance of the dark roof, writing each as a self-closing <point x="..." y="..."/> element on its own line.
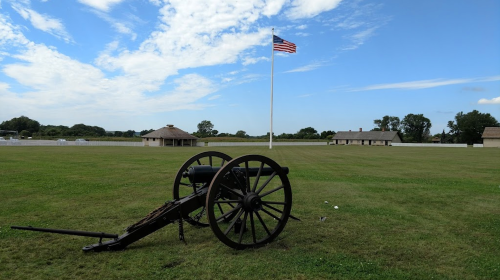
<point x="170" y="132"/>
<point x="491" y="132"/>
<point x="366" y="135"/>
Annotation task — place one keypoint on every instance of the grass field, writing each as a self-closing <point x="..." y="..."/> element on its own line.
<point x="403" y="213"/>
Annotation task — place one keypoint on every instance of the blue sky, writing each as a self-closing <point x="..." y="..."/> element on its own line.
<point x="141" y="64"/>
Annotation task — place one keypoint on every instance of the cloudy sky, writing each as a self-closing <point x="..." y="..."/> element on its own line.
<point x="141" y="64"/>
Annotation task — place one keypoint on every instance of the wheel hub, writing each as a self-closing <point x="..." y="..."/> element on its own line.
<point x="252" y="202"/>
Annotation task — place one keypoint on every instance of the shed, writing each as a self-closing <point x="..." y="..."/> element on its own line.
<point x="169" y="136"/>
<point x="369" y="138"/>
<point x="491" y="137"/>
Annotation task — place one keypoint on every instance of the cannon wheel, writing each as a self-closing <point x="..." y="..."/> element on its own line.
<point x="182" y="186"/>
<point x="261" y="204"/>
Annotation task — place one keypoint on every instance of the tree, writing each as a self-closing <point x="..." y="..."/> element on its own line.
<point x="129" y="133"/>
<point x="454" y="129"/>
<point x="144" y="132"/>
<point x="241" y="134"/>
<point x="53" y="130"/>
<point x="469" y="127"/>
<point x="20" y="124"/>
<point x="85" y="130"/>
<point x="325" y="134"/>
<point x="25" y="134"/>
<point x="416" y="127"/>
<point x="388" y="123"/>
<point x="205" y="128"/>
<point x="285" y="136"/>
<point x="307" y="133"/>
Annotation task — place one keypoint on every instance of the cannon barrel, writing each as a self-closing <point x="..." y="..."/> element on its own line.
<point x="205" y="173"/>
<point x="69" y="232"/>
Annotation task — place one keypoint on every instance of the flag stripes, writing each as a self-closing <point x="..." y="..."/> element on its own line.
<point x="283" y="45"/>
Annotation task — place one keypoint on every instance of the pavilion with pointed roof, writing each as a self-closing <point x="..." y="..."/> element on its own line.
<point x="169" y="136"/>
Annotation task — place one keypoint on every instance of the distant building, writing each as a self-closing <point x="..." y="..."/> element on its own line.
<point x="436" y="140"/>
<point x="169" y="136"/>
<point x="491" y="137"/>
<point x="369" y="138"/>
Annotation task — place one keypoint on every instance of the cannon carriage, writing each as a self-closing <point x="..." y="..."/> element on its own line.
<point x="246" y="201"/>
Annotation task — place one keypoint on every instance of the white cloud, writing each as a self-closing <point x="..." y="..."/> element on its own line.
<point x="69" y="87"/>
<point x="253" y="60"/>
<point x="10" y="34"/>
<point x="495" y="100"/>
<point x="310" y="8"/>
<point x="360" y="21"/>
<point x="103" y="5"/>
<point x="305" y="95"/>
<point x="46" y="71"/>
<point x="122" y="27"/>
<point x="190" y="36"/>
<point x="249" y="78"/>
<point x="155" y="2"/>
<point x="43" y="22"/>
<point x="273" y="7"/>
<point x="125" y="82"/>
<point x="490" y="79"/>
<point x="417" y="84"/>
<point x="302" y="34"/>
<point x="4" y="87"/>
<point x="194" y="34"/>
<point x="427" y="83"/>
<point x="359" y="38"/>
<point x="306" y="68"/>
<point x="213" y="97"/>
<point x="189" y="89"/>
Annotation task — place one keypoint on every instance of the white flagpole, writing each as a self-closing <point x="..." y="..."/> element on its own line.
<point x="272" y="71"/>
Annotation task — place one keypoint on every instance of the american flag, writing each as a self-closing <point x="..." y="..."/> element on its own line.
<point x="283" y="45"/>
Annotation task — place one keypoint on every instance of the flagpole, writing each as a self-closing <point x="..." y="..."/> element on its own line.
<point x="272" y="72"/>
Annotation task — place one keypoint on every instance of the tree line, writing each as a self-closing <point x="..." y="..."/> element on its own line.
<point x="27" y="127"/>
<point x="465" y="128"/>
<point x="206" y="129"/>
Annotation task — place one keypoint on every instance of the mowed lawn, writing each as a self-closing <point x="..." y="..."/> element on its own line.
<point x="403" y="213"/>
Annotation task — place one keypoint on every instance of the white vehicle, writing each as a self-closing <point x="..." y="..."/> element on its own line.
<point x="15" y="142"/>
<point x="61" y="142"/>
<point x="81" y="142"/>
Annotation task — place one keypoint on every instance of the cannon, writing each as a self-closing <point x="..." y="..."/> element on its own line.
<point x="246" y="201"/>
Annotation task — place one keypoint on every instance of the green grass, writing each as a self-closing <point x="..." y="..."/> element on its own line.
<point x="404" y="213"/>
